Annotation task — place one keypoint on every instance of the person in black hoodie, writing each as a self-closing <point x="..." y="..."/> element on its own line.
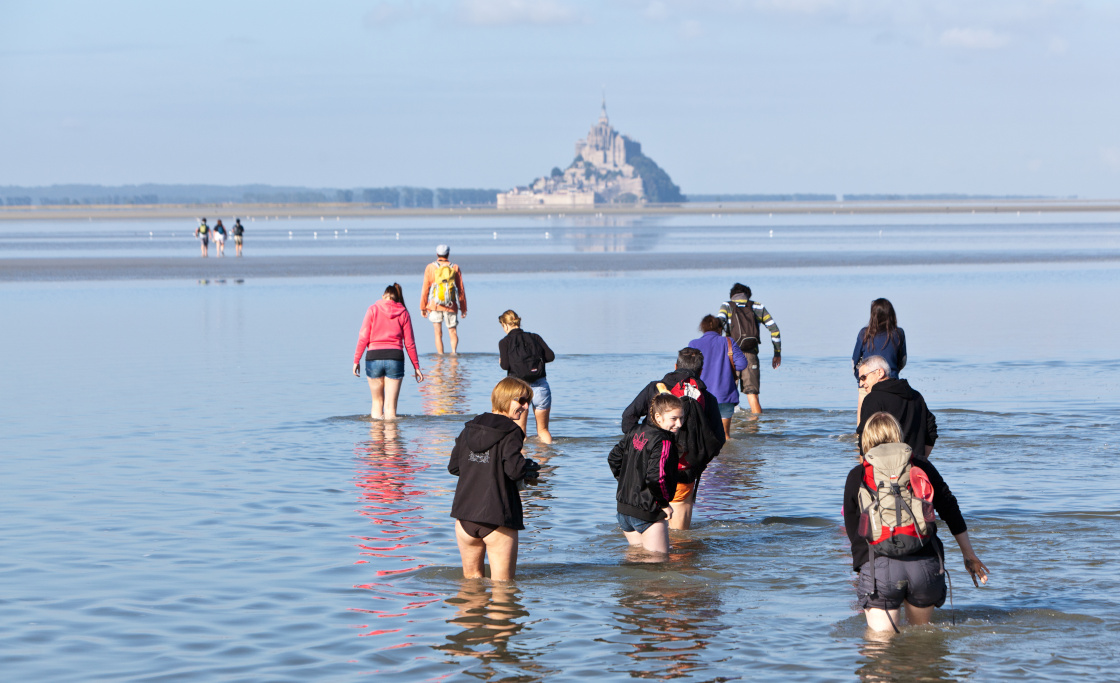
<point x="645" y="464"/>
<point x="701" y="437"/>
<point x="523" y="355"/>
<point x="488" y="461"/>
<point x="895" y="396"/>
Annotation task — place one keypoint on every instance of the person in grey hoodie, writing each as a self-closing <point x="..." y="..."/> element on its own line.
<point x="491" y="469"/>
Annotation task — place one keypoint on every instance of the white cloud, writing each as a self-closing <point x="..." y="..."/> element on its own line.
<point x="974" y="39"/>
<point x="517" y="12"/>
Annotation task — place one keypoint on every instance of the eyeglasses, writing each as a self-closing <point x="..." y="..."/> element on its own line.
<point x="862" y="377"/>
<point x="523" y="400"/>
<point x="872" y="372"/>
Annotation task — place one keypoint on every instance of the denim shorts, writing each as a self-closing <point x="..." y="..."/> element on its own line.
<point x="726" y="410"/>
<point x="629" y="523"/>
<point x="393" y="369"/>
<point x="917" y="580"/>
<point x="542" y="394"/>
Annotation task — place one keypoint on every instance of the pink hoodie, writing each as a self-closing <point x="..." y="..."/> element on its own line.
<point x="386" y="325"/>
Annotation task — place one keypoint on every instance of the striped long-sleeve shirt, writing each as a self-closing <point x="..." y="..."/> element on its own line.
<point x="760" y="314"/>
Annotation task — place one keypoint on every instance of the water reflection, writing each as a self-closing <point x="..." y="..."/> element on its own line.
<point x="489" y="614"/>
<point x="667" y="627"/>
<point x="445" y="388"/>
<point x="918" y="654"/>
<point x="391" y="499"/>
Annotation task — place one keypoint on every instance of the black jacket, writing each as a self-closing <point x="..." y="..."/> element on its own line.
<point x="645" y="464"/>
<point x="503" y="350"/>
<point x="639" y="407"/>
<point x="487" y="459"/>
<point x="943" y="501"/>
<point x="894" y="396"/>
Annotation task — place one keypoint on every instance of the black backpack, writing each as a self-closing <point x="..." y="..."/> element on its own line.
<point x="526" y="359"/>
<point x="744" y="326"/>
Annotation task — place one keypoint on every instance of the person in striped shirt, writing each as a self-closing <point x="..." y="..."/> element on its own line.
<point x="742" y="320"/>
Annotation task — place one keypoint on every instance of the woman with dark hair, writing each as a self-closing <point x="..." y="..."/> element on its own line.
<point x="386" y="332"/>
<point x="880" y="337"/>
<point x="723" y="360"/>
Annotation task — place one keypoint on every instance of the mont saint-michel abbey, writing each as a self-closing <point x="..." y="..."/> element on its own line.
<point x="609" y="168"/>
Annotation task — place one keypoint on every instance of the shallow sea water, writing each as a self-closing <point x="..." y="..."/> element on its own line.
<point x="191" y="491"/>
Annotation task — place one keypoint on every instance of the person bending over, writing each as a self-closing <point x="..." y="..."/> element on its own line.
<point x="488" y="461"/>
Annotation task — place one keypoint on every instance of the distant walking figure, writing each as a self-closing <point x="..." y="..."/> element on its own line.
<point x="487" y="459"/>
<point x="443" y="299"/>
<point x="202" y="232"/>
<point x="741" y="319"/>
<point x="238" y="231"/>
<point x="220" y="237"/>
<point x="523" y="355"/>
<point x="386" y="330"/>
<point x="880" y="337"/>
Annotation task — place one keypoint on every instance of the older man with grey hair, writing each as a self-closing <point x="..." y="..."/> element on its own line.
<point x="895" y="396"/>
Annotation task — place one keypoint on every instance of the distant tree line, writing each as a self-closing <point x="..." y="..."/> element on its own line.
<point x="394" y="197"/>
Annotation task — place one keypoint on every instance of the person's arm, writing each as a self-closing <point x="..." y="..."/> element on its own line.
<point x="857" y="354"/>
<point x="725" y="315"/>
<point x="901" y="349"/>
<point x="635" y="411"/>
<point x="424" y="288"/>
<point x="931" y="429"/>
<point x="851" y="506"/>
<point x="549" y="356"/>
<point x="950" y="512"/>
<point x="713" y="418"/>
<point x="453" y="462"/>
<point x="514" y="463"/>
<point x="363" y="338"/>
<point x="976" y="568"/>
<point x="614" y="458"/>
<point x="462" y="292"/>
<point x="738" y="355"/>
<point x="865" y="412"/>
<point x="763" y="317"/>
<point x="410" y="344"/>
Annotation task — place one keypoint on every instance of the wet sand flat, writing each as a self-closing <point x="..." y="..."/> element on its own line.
<point x="154" y="268"/>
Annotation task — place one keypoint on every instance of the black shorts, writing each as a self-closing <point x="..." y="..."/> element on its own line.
<point x="917" y="580"/>
<point x="477" y="529"/>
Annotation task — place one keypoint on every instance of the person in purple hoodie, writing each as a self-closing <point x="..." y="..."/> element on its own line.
<point x="722" y="362"/>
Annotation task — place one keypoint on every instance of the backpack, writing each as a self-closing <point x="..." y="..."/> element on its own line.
<point x="895" y="502"/>
<point x="526" y="359"/>
<point x="442" y="292"/>
<point x="697" y="445"/>
<point x="743" y="326"/>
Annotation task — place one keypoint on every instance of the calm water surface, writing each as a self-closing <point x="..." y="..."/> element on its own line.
<point x="191" y="492"/>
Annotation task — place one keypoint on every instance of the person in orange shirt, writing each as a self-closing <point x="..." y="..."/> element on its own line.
<point x="442" y="297"/>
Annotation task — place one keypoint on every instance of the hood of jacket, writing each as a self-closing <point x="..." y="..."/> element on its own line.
<point x="392" y="309"/>
<point x="676" y="376"/>
<point x="889" y="456"/>
<point x="488" y="429"/>
<point x="898" y="387"/>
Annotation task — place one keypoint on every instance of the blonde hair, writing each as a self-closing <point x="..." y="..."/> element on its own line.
<point x="510" y="318"/>
<point x="507" y="390"/>
<point x="880" y="428"/>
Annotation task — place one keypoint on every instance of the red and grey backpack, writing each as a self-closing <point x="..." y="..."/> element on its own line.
<point x="895" y="502"/>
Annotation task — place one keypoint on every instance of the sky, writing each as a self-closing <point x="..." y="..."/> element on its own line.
<point x="1007" y="97"/>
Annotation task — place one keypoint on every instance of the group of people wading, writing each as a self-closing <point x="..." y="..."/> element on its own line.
<point x="204" y="233"/>
<point x="673" y="429"/>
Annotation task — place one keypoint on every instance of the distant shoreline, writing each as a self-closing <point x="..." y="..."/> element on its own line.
<point x="231" y="268"/>
<point x="350" y="210"/>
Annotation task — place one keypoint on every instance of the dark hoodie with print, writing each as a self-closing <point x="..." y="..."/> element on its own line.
<point x="894" y="396"/>
<point x="487" y="459"/>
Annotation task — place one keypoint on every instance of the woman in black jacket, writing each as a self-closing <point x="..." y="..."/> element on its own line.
<point x="895" y="547"/>
<point x="523" y="355"/>
<point x="488" y="461"/>
<point x="645" y="464"/>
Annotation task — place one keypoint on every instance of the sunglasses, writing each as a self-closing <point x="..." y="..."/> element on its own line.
<point x="523" y="400"/>
<point x="863" y="377"/>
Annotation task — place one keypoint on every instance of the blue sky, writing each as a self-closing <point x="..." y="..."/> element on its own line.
<point x="846" y="96"/>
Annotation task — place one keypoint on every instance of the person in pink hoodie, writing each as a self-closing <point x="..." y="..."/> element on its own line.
<point x="386" y="333"/>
